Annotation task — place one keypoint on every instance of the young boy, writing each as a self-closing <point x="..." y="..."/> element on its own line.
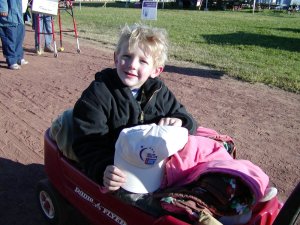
<point x="129" y="95"/>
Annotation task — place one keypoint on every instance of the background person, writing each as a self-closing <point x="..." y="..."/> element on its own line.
<point x="45" y="30"/>
<point x="12" y="33"/>
<point x="27" y="14"/>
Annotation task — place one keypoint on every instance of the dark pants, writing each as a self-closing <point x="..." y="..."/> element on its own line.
<point x="145" y="202"/>
<point x="12" y="38"/>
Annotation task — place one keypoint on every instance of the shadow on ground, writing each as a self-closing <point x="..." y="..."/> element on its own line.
<point x="264" y="41"/>
<point x="198" y="72"/>
<point x="17" y="192"/>
<point x="18" y="196"/>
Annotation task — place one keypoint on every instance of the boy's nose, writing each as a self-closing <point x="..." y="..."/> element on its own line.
<point x="133" y="64"/>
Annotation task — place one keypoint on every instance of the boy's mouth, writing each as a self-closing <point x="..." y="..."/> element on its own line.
<point x="130" y="74"/>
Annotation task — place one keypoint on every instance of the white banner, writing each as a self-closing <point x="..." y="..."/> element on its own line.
<point x="149" y="10"/>
<point x="48" y="7"/>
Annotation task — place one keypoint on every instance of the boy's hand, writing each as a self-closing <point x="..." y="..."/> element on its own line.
<point x="170" y="122"/>
<point x="113" y="178"/>
<point x="4" y="14"/>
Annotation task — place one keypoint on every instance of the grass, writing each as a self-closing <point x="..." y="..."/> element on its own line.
<point x="262" y="47"/>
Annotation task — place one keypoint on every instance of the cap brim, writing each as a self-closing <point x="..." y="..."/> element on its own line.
<point x="140" y="180"/>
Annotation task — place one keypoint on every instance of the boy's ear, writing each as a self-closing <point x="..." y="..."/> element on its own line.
<point x="115" y="58"/>
<point x="157" y="72"/>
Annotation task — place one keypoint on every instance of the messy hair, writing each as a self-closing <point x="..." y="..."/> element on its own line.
<point x="152" y="41"/>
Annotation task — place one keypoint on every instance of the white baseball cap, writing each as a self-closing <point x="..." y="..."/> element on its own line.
<point x="141" y="151"/>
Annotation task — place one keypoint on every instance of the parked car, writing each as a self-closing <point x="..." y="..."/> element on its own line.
<point x="281" y="7"/>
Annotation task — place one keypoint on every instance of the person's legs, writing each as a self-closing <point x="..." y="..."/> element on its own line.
<point x="48" y="33"/>
<point x="19" y="41"/>
<point x="35" y="26"/>
<point x="33" y="17"/>
<point x="9" y="43"/>
<point x="27" y="16"/>
<point x="145" y="202"/>
<point x="19" y="44"/>
<point x="2" y="36"/>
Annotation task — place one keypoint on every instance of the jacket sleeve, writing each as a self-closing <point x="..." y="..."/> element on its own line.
<point x="174" y="108"/>
<point x="3" y="6"/>
<point x="13" y="9"/>
<point x="92" y="142"/>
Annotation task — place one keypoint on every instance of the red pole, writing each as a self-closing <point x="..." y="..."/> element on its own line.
<point x="53" y="33"/>
<point x="60" y="28"/>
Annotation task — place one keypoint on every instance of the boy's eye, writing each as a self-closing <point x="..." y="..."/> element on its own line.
<point x="144" y="61"/>
<point x="125" y="56"/>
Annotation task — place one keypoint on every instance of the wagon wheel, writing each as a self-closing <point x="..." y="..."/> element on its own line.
<point x="52" y="205"/>
<point x="290" y="212"/>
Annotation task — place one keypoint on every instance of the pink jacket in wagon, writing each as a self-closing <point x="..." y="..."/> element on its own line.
<point x="203" y="155"/>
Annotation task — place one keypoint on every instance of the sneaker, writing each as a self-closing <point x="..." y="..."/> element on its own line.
<point x="23" y="62"/>
<point x="37" y="51"/>
<point x="14" y="67"/>
<point x="28" y="23"/>
<point x="49" y="49"/>
<point x="270" y="193"/>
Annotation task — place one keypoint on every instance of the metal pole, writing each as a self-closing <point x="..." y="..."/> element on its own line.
<point x="253" y="10"/>
<point x="206" y="9"/>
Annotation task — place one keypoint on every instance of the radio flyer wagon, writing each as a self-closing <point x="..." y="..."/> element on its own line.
<point x="66" y="184"/>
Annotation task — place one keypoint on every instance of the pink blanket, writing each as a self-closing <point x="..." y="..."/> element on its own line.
<point x="203" y="155"/>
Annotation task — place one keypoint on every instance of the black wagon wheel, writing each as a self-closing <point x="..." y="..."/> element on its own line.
<point x="290" y="212"/>
<point x="54" y="208"/>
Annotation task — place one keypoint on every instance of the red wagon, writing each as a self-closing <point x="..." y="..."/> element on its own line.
<point x="66" y="184"/>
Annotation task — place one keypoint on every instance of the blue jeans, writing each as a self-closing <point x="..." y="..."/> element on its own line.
<point x="12" y="38"/>
<point x="45" y="29"/>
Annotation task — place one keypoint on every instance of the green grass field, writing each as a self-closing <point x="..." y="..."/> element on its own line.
<point x="262" y="47"/>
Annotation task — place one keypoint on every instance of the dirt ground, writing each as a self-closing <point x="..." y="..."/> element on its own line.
<point x="264" y="121"/>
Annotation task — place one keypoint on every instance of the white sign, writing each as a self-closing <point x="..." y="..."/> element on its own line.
<point x="48" y="7"/>
<point x="149" y="10"/>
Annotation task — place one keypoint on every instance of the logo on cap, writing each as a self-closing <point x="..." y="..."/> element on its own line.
<point x="147" y="155"/>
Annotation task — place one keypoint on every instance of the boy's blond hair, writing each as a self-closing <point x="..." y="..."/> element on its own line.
<point x="152" y="41"/>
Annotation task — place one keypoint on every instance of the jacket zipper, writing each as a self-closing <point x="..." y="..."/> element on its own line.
<point x="141" y="116"/>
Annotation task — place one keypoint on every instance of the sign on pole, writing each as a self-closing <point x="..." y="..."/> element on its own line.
<point x="149" y="10"/>
<point x="48" y="7"/>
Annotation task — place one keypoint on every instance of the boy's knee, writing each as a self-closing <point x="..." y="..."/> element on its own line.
<point x="61" y="131"/>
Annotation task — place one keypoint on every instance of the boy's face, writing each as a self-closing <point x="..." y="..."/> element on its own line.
<point x="134" y="67"/>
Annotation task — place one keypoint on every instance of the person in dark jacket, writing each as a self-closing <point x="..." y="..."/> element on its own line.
<point x="130" y="94"/>
<point x="12" y="33"/>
